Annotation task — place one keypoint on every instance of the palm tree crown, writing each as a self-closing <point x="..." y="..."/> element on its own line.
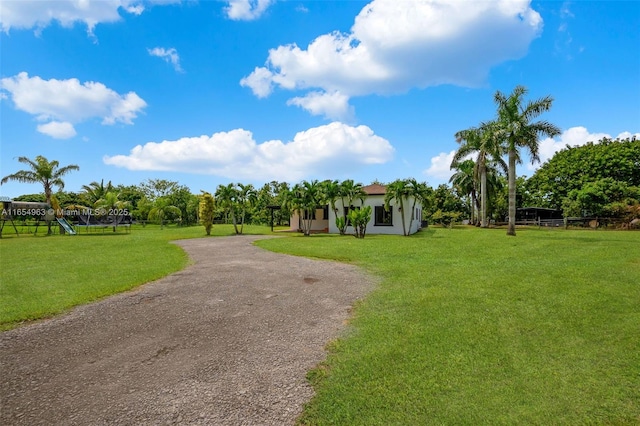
<point x="43" y="171"/>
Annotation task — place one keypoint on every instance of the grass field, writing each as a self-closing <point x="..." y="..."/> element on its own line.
<point x="470" y="326"/>
<point x="467" y="326"/>
<point x="44" y="275"/>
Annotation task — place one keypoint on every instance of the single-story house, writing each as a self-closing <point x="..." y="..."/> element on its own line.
<point x="383" y="221"/>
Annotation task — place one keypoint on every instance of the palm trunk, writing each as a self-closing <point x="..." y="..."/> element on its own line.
<point x="511" y="230"/>
<point x="483" y="198"/>
<point x="402" y="212"/>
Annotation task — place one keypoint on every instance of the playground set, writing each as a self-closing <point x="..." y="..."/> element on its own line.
<point x="72" y="221"/>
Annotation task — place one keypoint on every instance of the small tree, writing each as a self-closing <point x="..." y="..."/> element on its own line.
<point x="206" y="211"/>
<point x="161" y="209"/>
<point x="359" y="220"/>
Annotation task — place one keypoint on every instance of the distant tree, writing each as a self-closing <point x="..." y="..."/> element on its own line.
<point x="163" y="209"/>
<point x="156" y="188"/>
<point x="131" y="193"/>
<point x="113" y="206"/>
<point x="483" y="141"/>
<point x="246" y="198"/>
<point x="206" y="211"/>
<point x="350" y="191"/>
<point x="573" y="167"/>
<point x="465" y="181"/>
<point x="95" y="191"/>
<point x="305" y="199"/>
<point x="516" y="130"/>
<point x="48" y="173"/>
<point x="445" y="206"/>
<point x="180" y="196"/>
<point x="227" y="198"/>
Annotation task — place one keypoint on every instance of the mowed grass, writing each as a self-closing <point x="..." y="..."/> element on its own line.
<point x="41" y="275"/>
<point x="472" y="327"/>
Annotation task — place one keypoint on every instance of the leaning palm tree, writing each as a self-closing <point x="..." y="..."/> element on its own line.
<point x="485" y="142"/>
<point x="43" y="171"/>
<point x="515" y="129"/>
<point x="162" y="208"/>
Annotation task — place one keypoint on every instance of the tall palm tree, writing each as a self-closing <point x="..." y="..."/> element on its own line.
<point x="43" y="171"/>
<point x="486" y="143"/>
<point x="516" y="130"/>
<point x="48" y="173"/>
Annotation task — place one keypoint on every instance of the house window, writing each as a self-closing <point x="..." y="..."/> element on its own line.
<point x="383" y="217"/>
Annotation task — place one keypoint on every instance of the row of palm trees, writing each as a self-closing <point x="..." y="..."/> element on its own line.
<point x="236" y="199"/>
<point x="512" y="130"/>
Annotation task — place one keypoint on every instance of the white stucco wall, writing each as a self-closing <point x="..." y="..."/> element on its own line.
<point x="378" y="200"/>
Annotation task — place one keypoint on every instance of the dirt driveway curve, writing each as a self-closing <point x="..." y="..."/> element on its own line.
<point x="227" y="341"/>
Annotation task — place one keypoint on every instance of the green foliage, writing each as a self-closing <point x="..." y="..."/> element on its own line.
<point x="305" y="199"/>
<point x="162" y="210"/>
<point x="206" y="211"/>
<point x="48" y="173"/>
<point x="445" y="206"/>
<point x="574" y="167"/>
<point x="602" y="198"/>
<point x="95" y="191"/>
<point x="359" y="219"/>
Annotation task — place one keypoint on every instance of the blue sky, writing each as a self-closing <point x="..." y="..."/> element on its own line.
<point x="211" y="92"/>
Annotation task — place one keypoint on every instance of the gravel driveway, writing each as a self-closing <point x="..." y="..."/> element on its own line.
<point x="226" y="341"/>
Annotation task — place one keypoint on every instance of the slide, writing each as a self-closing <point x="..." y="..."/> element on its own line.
<point x="66" y="225"/>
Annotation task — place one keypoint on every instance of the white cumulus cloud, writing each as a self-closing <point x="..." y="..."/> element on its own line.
<point x="329" y="150"/>
<point x="57" y="129"/>
<point x="394" y="46"/>
<point x="246" y="10"/>
<point x="70" y="101"/>
<point x="168" y="55"/>
<point x="334" y="106"/>
<point x="440" y="167"/>
<point x="38" y="14"/>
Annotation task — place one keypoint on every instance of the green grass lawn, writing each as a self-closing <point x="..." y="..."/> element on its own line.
<point x="467" y="326"/>
<point x="470" y="326"/>
<point x="44" y="275"/>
